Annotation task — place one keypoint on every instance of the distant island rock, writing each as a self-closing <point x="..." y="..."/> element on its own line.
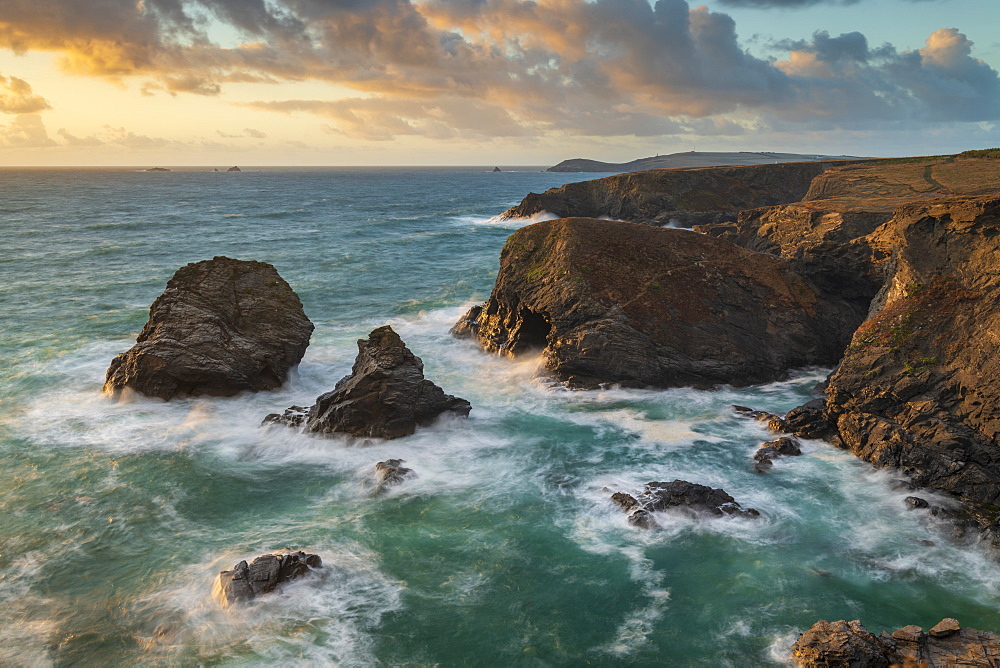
<point x="496" y="169"/>
<point x="693" y="159"/>
<point x="222" y="326"/>
<point x="157" y="169"/>
<point x="234" y="169"/>
<point x="384" y="396"/>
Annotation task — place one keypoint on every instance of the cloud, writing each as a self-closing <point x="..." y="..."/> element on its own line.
<point x="25" y="131"/>
<point x="506" y="68"/>
<point x="768" y="4"/>
<point x="247" y="132"/>
<point x="16" y="97"/>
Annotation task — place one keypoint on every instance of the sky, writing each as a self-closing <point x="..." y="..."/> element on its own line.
<point x="490" y="82"/>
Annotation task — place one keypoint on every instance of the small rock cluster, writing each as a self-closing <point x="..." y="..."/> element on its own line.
<point x="263" y="575"/>
<point x="681" y="494"/>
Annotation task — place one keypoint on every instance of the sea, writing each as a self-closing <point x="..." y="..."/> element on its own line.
<point x="504" y="550"/>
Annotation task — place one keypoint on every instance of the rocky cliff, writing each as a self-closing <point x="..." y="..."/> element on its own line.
<point x="613" y="302"/>
<point x="686" y="196"/>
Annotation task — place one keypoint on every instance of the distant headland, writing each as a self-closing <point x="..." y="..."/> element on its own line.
<point x="692" y="159"/>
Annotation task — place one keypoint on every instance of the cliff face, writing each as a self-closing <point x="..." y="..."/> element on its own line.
<point x="687" y="196"/>
<point x="612" y="302"/>
<point x="919" y="386"/>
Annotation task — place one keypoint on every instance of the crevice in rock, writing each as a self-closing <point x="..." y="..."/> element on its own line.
<point x="533" y="334"/>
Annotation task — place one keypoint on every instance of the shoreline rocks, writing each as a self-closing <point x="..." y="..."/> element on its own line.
<point x="384" y="396"/>
<point x="843" y="643"/>
<point x="221" y="327"/>
<point x="390" y="473"/>
<point x="263" y="575"/>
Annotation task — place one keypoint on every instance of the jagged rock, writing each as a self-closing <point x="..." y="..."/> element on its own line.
<point x="248" y="581"/>
<point x="919" y="387"/>
<point x="916" y="502"/>
<point x="389" y="473"/>
<point x="384" y="396"/>
<point x="771" y="450"/>
<point x="844" y="643"/>
<point x="946" y="627"/>
<point x="810" y="420"/>
<point x="692" y="497"/>
<point x="234" y="169"/>
<point x="221" y="327"/>
<point x="613" y="302"/>
<point x="496" y="169"/>
<point x="839" y="644"/>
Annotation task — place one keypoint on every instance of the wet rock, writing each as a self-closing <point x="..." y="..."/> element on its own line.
<point x="608" y="302"/>
<point x="385" y="395"/>
<point x="293" y="416"/>
<point x="916" y="502"/>
<point x="810" y="420"/>
<point x="946" y="627"/>
<point x="839" y="643"/>
<point x="221" y="327"/>
<point x="692" y="497"/>
<point x="771" y="450"/>
<point x="775" y="423"/>
<point x="844" y="643"/>
<point x="390" y="473"/>
<point x="246" y="582"/>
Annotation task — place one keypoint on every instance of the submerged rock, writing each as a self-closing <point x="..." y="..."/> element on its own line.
<point x="248" y="581"/>
<point x="221" y="327"/>
<point x="612" y="302"/>
<point x="389" y="473"/>
<point x="688" y="496"/>
<point x="384" y="396"/>
<point x="843" y="643"/>
<point x="771" y="450"/>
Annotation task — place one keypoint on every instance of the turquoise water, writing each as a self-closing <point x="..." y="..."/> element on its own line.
<point x="115" y="517"/>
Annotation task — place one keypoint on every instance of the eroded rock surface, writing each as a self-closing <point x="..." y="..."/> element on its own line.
<point x="246" y="582"/>
<point x="384" y="396"/>
<point x="843" y="643"/>
<point x="612" y="302"/>
<point x="221" y="327"/>
<point x="679" y="494"/>
<point x="919" y="386"/>
<point x="771" y="450"/>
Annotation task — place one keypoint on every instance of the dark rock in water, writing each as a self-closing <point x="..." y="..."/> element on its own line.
<point x="612" y="302"/>
<point x="294" y="416"/>
<point x="840" y="643"/>
<point x="234" y="169"/>
<point x="221" y="327"/>
<point x="660" y="496"/>
<point x="774" y="422"/>
<point x="916" y="502"/>
<point x="157" y="169"/>
<point x="919" y="386"/>
<point x="771" y="450"/>
<point x="248" y="581"/>
<point x="385" y="395"/>
<point x="810" y="420"/>
<point x="843" y="643"/>
<point x="389" y="473"/>
<point x="496" y="169"/>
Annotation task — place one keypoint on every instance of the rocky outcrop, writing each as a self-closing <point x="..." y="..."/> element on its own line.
<point x="390" y="473"/>
<point x="919" y="386"/>
<point x="613" y="302"/>
<point x="234" y="169"/>
<point x="246" y="582"/>
<point x="771" y="450"/>
<point x="699" y="500"/>
<point x="384" y="396"/>
<point x="221" y="327"/>
<point x="850" y="644"/>
<point x="693" y="159"/>
<point x="684" y="196"/>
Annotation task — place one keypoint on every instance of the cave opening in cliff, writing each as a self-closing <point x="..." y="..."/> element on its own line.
<point x="533" y="334"/>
